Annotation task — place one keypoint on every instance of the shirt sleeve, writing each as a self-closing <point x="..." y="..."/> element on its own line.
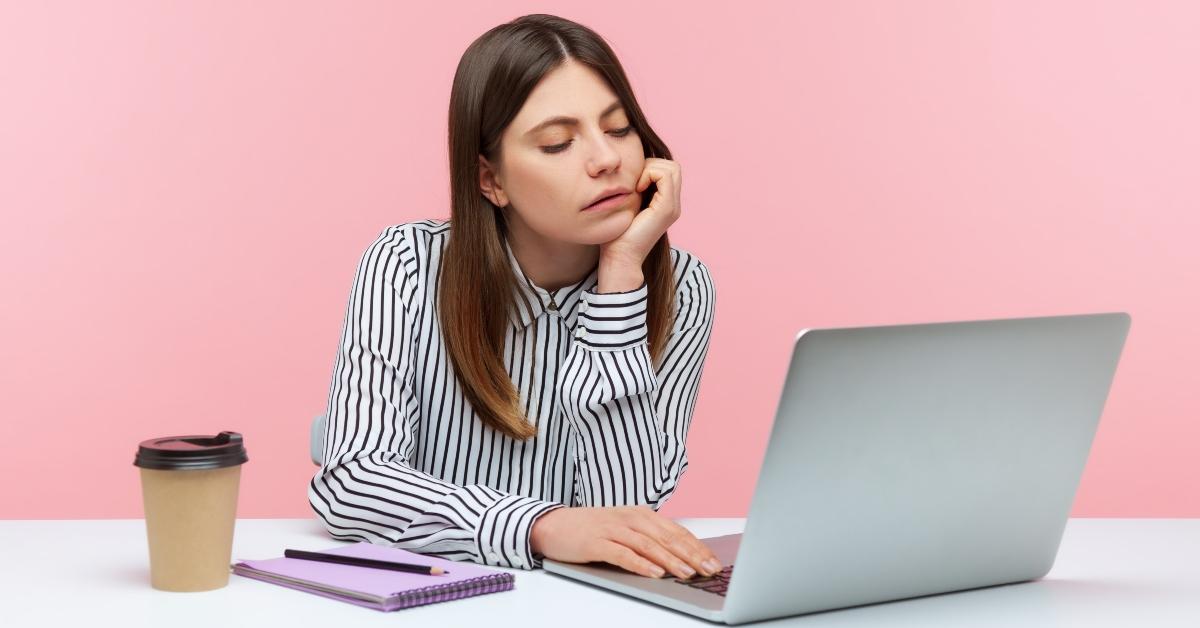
<point x="366" y="488"/>
<point x="630" y="420"/>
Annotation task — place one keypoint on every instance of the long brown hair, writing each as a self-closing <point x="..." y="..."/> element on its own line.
<point x="476" y="287"/>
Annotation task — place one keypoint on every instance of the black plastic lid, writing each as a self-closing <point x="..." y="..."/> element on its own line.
<point x="191" y="452"/>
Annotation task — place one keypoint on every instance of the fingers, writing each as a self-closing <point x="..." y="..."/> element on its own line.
<point x="643" y="181"/>
<point x="685" y="544"/>
<point x="678" y="540"/>
<point x="653" y="550"/>
<point x="667" y="176"/>
<point x="629" y="560"/>
<point x="656" y="169"/>
<point x="650" y="174"/>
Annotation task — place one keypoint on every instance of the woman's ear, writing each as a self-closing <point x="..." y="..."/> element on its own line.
<point x="489" y="185"/>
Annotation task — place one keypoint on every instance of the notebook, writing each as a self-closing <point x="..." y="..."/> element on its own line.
<point x="380" y="589"/>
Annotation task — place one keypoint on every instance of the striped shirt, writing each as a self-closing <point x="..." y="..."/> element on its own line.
<point x="407" y="463"/>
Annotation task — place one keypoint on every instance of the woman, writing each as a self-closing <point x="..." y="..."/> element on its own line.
<point x="518" y="382"/>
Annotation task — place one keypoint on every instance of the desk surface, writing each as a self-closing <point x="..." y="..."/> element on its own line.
<point x="1109" y="572"/>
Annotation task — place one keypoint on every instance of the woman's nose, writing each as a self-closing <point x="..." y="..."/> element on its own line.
<point x="604" y="155"/>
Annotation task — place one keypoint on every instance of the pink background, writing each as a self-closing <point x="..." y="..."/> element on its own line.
<point x="186" y="191"/>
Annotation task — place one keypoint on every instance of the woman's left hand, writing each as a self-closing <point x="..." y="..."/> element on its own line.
<point x="632" y="246"/>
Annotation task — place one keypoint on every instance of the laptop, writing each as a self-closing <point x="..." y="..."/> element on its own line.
<point x="905" y="461"/>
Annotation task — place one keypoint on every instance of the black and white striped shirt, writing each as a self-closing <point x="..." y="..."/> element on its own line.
<point x="408" y="464"/>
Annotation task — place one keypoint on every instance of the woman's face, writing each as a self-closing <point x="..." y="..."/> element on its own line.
<point x="551" y="168"/>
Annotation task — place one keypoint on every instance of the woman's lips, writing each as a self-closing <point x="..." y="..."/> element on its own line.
<point x="608" y="203"/>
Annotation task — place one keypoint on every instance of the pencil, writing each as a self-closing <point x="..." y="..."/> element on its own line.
<point x="365" y="562"/>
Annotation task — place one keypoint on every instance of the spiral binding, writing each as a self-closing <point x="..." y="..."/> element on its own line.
<point x="490" y="583"/>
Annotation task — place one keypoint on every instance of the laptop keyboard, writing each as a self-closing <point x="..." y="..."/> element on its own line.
<point x="717" y="583"/>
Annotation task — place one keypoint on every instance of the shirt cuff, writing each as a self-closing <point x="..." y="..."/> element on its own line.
<point x="611" y="321"/>
<point x="503" y="535"/>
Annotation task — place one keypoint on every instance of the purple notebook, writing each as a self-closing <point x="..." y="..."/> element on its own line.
<point x="380" y="589"/>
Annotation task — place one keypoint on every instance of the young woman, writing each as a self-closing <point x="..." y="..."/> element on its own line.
<point x="518" y="382"/>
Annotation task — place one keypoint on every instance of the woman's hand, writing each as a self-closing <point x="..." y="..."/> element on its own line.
<point x="632" y="247"/>
<point x="635" y="538"/>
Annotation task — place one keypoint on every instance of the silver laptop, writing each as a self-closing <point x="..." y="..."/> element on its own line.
<point x="904" y="461"/>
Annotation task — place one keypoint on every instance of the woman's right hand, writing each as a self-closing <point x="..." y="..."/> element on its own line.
<point x="635" y="538"/>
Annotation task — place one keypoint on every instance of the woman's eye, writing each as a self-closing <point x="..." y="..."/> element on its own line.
<point x="558" y="148"/>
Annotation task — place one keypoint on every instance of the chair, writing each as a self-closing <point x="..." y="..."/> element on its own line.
<point x="316" y="439"/>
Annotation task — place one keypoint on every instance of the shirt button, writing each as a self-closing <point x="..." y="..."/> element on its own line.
<point x="493" y="556"/>
<point x="583" y="306"/>
<point x="580" y="332"/>
<point x="518" y="562"/>
<point x="579" y="455"/>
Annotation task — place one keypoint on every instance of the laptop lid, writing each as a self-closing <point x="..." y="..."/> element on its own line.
<point x="909" y="460"/>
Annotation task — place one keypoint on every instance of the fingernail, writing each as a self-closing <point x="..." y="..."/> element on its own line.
<point x="687" y="570"/>
<point x="658" y="572"/>
<point x="712" y="565"/>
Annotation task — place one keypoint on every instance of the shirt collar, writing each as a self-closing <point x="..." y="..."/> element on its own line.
<point x="533" y="302"/>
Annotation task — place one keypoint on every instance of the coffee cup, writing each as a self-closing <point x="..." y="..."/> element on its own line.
<point x="190" y="493"/>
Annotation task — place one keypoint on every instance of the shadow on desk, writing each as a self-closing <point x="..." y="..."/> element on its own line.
<point x="1018" y="604"/>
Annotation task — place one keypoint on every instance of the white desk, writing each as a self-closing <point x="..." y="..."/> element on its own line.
<point x="1109" y="572"/>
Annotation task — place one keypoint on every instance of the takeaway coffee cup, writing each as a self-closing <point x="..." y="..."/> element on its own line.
<point x="190" y="491"/>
